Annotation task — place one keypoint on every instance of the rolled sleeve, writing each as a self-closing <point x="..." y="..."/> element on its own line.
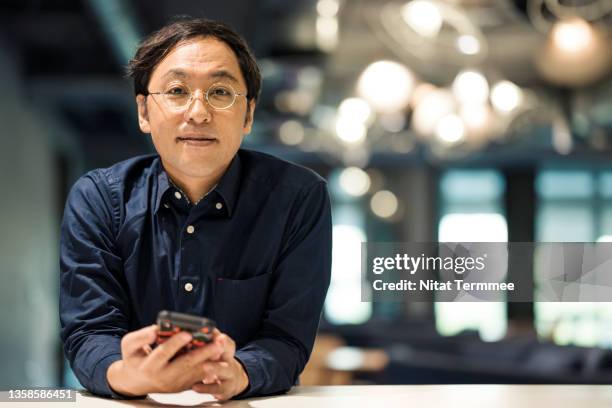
<point x="99" y="382"/>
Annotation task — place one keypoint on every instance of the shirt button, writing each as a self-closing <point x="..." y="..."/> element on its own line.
<point x="190" y="229"/>
<point x="218" y="206"/>
<point x="188" y="287"/>
<point x="166" y="205"/>
<point x="178" y="195"/>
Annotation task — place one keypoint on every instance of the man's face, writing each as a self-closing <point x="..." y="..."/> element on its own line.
<point x="196" y="141"/>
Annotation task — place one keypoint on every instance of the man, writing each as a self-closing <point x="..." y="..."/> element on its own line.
<point x="203" y="228"/>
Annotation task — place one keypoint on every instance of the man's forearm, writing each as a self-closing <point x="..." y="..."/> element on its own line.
<point x="119" y="385"/>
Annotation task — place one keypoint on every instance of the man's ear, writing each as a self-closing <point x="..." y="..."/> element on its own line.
<point x="248" y="118"/>
<point x="143" y="114"/>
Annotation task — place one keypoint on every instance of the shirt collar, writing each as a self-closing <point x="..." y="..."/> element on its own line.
<point x="163" y="184"/>
<point x="227" y="188"/>
<point x="229" y="185"/>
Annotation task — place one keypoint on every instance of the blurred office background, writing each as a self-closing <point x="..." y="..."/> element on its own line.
<point x="462" y="120"/>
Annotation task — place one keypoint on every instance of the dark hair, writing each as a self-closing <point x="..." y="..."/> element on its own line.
<point x="157" y="45"/>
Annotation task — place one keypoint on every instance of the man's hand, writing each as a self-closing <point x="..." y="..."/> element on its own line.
<point x="226" y="377"/>
<point x="142" y="370"/>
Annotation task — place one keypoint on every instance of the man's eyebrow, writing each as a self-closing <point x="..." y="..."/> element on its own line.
<point x="176" y="73"/>
<point x="223" y="74"/>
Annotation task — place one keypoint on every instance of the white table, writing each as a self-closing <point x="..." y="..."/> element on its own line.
<point x="390" y="396"/>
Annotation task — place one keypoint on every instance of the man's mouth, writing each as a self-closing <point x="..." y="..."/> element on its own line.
<point x="196" y="140"/>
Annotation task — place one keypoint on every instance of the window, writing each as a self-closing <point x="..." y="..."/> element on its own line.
<point x="574" y="206"/>
<point x="471" y="211"/>
<point x="343" y="304"/>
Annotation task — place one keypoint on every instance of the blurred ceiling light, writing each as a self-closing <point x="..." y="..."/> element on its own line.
<point x="291" y="132"/>
<point x="450" y="129"/>
<point x="576" y="53"/>
<point x="468" y="44"/>
<point x="479" y="124"/>
<point x="471" y="87"/>
<point x="419" y="93"/>
<point x="384" y="204"/>
<point x="327" y="33"/>
<point x="506" y="96"/>
<point x="328" y="8"/>
<point x="572" y="35"/>
<point x="354" y="181"/>
<point x="475" y="117"/>
<point x="423" y="17"/>
<point x="387" y="85"/>
<point x="432" y="107"/>
<point x="356" y="109"/>
<point x="350" y="130"/>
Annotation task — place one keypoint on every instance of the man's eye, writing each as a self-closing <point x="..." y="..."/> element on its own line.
<point x="220" y="92"/>
<point x="177" y="91"/>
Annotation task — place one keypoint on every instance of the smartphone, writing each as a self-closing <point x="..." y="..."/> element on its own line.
<point x="171" y="323"/>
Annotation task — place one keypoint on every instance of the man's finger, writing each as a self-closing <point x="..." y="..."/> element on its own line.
<point x="219" y="370"/>
<point x="199" y="355"/>
<point x="207" y="388"/>
<point x="218" y="391"/>
<point x="227" y="344"/>
<point x="165" y="351"/>
<point x="147" y="349"/>
<point x="134" y="342"/>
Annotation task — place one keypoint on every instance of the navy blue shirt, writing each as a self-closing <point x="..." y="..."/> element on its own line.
<point x="254" y="255"/>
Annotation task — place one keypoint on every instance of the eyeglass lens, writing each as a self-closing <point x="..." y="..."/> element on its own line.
<point x="218" y="96"/>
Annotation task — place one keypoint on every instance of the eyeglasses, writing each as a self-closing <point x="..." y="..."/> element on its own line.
<point x="218" y="96"/>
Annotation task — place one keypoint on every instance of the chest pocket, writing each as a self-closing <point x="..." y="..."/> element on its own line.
<point x="240" y="306"/>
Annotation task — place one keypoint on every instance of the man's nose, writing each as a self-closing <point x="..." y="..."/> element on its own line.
<point x="198" y="110"/>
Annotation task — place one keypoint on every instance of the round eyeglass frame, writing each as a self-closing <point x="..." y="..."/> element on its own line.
<point x="191" y="97"/>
